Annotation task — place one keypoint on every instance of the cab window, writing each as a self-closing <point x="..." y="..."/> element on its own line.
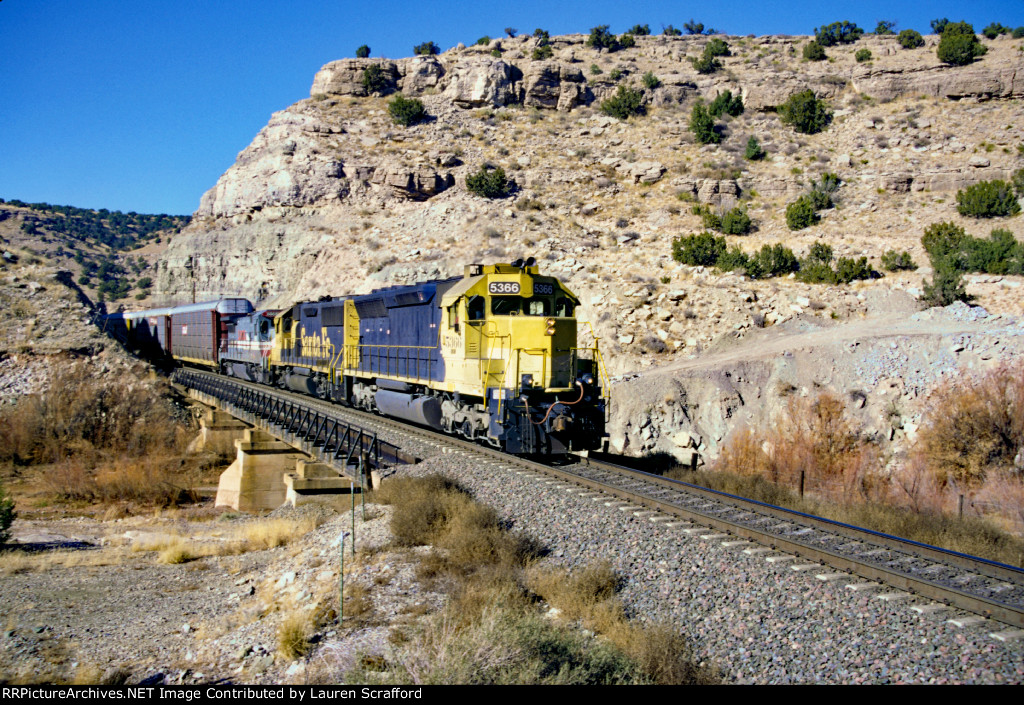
<point x="564" y="308"/>
<point x="538" y="307"/>
<point x="475" y="308"/>
<point x="506" y="305"/>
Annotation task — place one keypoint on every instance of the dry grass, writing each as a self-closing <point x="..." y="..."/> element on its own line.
<point x="14" y="561"/>
<point x="491" y="630"/>
<point x="177" y="552"/>
<point x="358" y="602"/>
<point x="272" y="533"/>
<point x="589" y="596"/>
<point x="293" y="635"/>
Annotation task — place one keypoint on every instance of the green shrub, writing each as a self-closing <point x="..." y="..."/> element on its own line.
<point x="838" y="33"/>
<point x="939" y="26"/>
<point x="363" y="52"/>
<point x="943" y="241"/>
<point x="542" y="35"/>
<point x="496" y="53"/>
<point x="488" y="182"/>
<point x="754" y="151"/>
<point x="862" y="55"/>
<point x="732" y="260"/>
<point x="726" y="103"/>
<point x="736" y="222"/>
<point x="885" y="27"/>
<point x="816" y="273"/>
<point x="801" y="214"/>
<point x="814" y="51"/>
<point x="511" y="32"/>
<point x="601" y="38"/>
<point x="959" y="45"/>
<point x="893" y="261"/>
<point x="816" y="268"/>
<point x="426" y="49"/>
<point x="639" y="30"/>
<point x="615" y="74"/>
<point x="543" y="52"/>
<point x="1017" y="180"/>
<point x="483" y="41"/>
<point x="946" y="286"/>
<point x="717" y="47"/>
<point x="702" y="249"/>
<point x="994" y="29"/>
<point x="1018" y="32"/>
<point x="627" y="41"/>
<point x="671" y="31"/>
<point x="692" y="27"/>
<point x="626" y="103"/>
<point x="849" y="269"/>
<point x="999" y="254"/>
<point x="910" y="39"/>
<point x="708" y="217"/>
<point x="820" y="253"/>
<point x="650" y="81"/>
<point x="822" y="190"/>
<point x="595" y="70"/>
<point x="805" y="112"/>
<point x="705" y="63"/>
<point x="7" y="515"/>
<point x="987" y="199"/>
<point x="702" y="125"/>
<point x="375" y="80"/>
<point x="406" y="111"/>
<point x="772" y="261"/>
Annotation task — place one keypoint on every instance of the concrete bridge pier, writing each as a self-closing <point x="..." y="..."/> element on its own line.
<point x="312" y="481"/>
<point x="218" y="431"/>
<point x="255" y="480"/>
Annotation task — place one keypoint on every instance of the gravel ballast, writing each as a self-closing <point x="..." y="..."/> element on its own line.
<point x="759" y="622"/>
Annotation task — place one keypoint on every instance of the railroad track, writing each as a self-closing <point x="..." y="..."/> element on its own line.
<point x="947" y="578"/>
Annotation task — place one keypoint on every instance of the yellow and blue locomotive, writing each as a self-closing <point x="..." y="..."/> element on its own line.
<point x="491" y="355"/>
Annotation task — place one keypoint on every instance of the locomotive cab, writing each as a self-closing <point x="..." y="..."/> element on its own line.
<point x="509" y="338"/>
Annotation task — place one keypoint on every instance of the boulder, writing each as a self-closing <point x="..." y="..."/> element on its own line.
<point x="345" y="77"/>
<point x="420" y="74"/>
<point x="415" y="183"/>
<point x="481" y="82"/>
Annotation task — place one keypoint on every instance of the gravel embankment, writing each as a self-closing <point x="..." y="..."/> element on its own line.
<point x="759" y="622"/>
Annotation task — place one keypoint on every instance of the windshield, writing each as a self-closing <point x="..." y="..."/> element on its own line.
<point x="516" y="305"/>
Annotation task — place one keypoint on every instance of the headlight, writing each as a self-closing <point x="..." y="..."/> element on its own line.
<point x="549" y="326"/>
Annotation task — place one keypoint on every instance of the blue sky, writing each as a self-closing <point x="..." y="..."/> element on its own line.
<point x="141" y="105"/>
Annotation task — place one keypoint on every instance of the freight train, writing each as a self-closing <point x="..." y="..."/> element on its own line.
<point x="491" y="355"/>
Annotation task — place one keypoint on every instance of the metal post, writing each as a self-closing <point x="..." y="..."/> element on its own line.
<point x="341" y="580"/>
<point x="960" y="508"/>
<point x="362" y="483"/>
<point x="352" y="492"/>
<point x="801" y="484"/>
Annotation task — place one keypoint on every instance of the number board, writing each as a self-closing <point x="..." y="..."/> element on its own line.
<point x="541" y="289"/>
<point x="503" y="288"/>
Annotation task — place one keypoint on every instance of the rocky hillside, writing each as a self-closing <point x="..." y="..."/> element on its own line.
<point x="333" y="197"/>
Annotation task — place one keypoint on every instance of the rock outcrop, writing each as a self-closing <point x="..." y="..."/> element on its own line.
<point x="333" y="197"/>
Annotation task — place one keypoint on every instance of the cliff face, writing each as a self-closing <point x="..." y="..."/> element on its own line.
<point x="333" y="197"/>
